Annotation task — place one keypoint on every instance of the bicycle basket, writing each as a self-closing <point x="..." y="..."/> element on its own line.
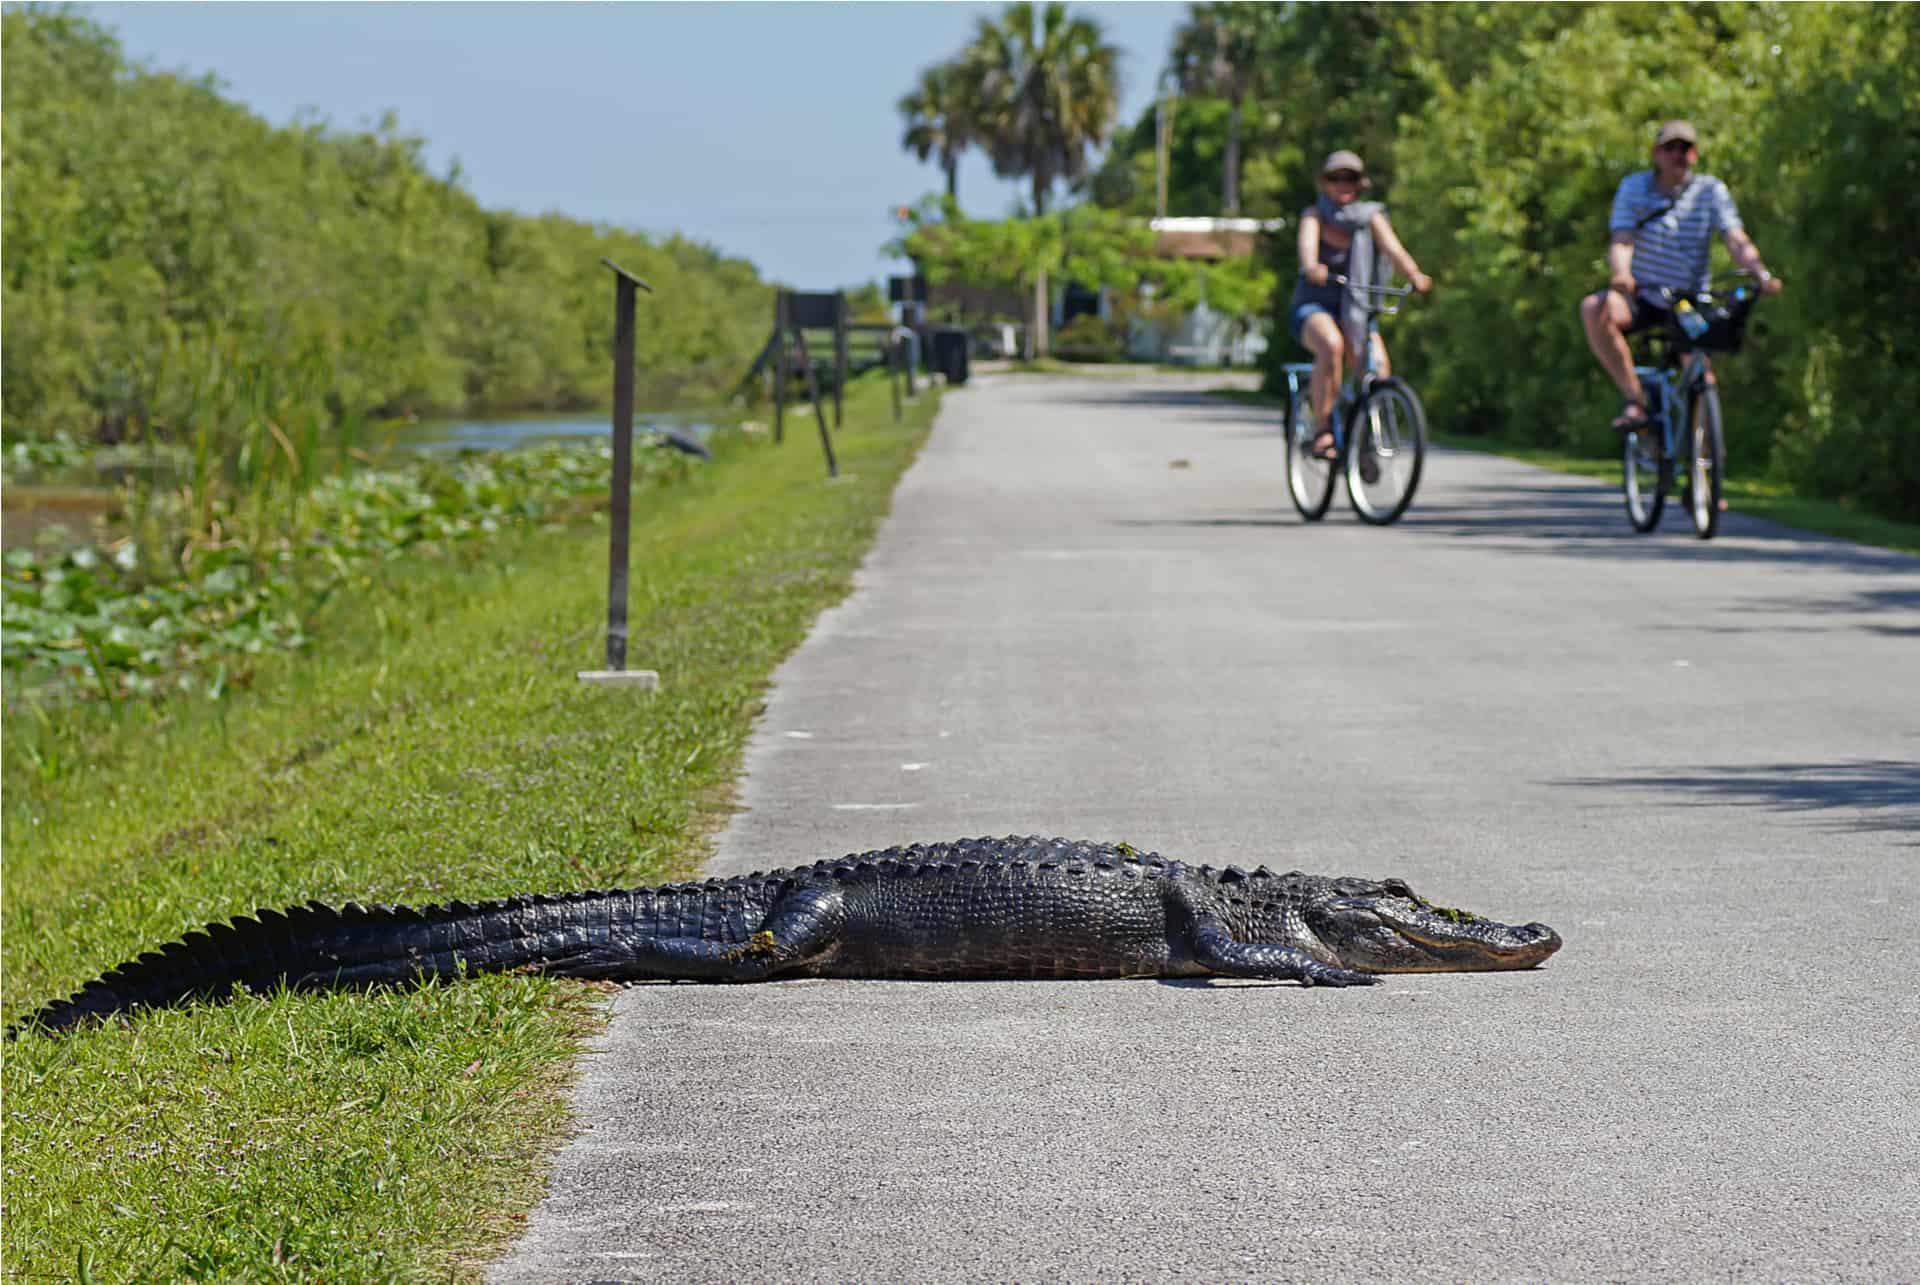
<point x="1726" y="324"/>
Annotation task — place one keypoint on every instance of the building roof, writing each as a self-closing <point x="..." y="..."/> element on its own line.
<point x="1194" y="238"/>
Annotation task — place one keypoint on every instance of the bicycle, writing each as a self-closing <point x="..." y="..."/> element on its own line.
<point x="1683" y="405"/>
<point x="1379" y="428"/>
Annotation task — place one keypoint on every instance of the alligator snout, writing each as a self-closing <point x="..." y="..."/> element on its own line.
<point x="1536" y="941"/>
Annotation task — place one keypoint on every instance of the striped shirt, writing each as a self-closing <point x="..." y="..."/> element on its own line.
<point x="1672" y="248"/>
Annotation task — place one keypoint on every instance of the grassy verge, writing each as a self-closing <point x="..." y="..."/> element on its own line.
<point x="1761" y="499"/>
<point x="437" y="746"/>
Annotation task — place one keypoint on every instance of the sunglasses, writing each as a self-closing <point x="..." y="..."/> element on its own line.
<point x="1676" y="145"/>
<point x="1343" y="176"/>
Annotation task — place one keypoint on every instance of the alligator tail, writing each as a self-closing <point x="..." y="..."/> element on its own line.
<point x="316" y="946"/>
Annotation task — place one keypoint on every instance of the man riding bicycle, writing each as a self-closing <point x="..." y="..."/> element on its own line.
<point x="1661" y="234"/>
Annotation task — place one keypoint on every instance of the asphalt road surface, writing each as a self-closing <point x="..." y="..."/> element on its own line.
<point x="1093" y="613"/>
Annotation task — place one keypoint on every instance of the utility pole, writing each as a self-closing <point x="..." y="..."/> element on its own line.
<point x="1162" y="145"/>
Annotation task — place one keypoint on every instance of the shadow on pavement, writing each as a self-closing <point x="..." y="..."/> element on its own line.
<point x="1271" y="519"/>
<point x="1887" y="789"/>
<point x="1589" y="520"/>
<point x="1570" y="519"/>
<point x="1866" y="609"/>
<point x="1195" y="402"/>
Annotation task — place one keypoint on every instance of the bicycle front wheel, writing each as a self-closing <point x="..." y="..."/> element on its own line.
<point x="1646" y="472"/>
<point x="1386" y="451"/>
<point x="1706" y="462"/>
<point x="1309" y="478"/>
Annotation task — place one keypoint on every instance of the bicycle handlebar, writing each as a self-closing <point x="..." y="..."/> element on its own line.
<point x="1401" y="291"/>
<point x="1669" y="294"/>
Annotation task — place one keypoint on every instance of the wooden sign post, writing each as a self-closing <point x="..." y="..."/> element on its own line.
<point x="616" y="674"/>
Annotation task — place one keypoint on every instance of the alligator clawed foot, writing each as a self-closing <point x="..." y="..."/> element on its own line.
<point x="1337" y="977"/>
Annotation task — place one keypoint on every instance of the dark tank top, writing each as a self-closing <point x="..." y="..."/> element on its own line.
<point x="1327" y="296"/>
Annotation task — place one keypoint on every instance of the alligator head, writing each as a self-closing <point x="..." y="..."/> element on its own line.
<point x="1387" y="927"/>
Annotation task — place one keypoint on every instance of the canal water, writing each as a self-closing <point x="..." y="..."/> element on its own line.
<point x="77" y="504"/>
<point x="506" y="434"/>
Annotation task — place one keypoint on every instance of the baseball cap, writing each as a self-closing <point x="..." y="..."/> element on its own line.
<point x="1676" y="130"/>
<point x="1342" y="160"/>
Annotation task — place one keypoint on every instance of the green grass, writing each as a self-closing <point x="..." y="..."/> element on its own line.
<point x="1761" y="499"/>
<point x="436" y="745"/>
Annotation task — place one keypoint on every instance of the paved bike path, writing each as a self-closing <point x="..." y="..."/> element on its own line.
<point x="1092" y="613"/>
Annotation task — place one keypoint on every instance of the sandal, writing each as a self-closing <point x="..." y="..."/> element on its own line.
<point x="1632" y="417"/>
<point x="1369" y="467"/>
<point x="1323" y="447"/>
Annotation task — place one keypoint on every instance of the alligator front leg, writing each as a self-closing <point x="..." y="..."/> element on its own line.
<point x="1215" y="949"/>
<point x="803" y="925"/>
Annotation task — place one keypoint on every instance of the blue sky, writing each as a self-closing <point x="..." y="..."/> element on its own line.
<point x="768" y="130"/>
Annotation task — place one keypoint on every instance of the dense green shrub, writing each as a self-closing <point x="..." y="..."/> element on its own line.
<point x="1503" y="192"/>
<point x="1505" y="178"/>
<point x="1087" y="338"/>
<point x="164" y="246"/>
<point x="1497" y="135"/>
<point x="1807" y="111"/>
<point x="1835" y="161"/>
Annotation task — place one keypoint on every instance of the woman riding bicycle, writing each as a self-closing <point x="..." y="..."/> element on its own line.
<point x="1329" y="230"/>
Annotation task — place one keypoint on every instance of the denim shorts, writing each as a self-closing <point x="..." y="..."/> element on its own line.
<point x="1297" y="319"/>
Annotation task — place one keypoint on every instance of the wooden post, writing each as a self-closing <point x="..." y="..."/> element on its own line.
<point x="819" y="410"/>
<point x="910" y="316"/>
<point x="780" y="374"/>
<point x="620" y="518"/>
<point x="622" y="475"/>
<point x="839" y="356"/>
<point x="894" y="357"/>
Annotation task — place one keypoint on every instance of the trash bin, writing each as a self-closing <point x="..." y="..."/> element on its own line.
<point x="949" y="353"/>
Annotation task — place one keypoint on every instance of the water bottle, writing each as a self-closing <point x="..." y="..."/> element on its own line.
<point x="1690" y="319"/>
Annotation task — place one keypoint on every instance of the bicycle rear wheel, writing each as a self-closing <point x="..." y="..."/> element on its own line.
<point x="1706" y="462"/>
<point x="1309" y="478"/>
<point x="1386" y="450"/>
<point x="1646" y="477"/>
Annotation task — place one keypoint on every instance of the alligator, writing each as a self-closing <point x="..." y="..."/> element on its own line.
<point x="974" y="908"/>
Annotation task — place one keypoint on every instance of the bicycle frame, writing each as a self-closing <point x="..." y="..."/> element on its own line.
<point x="1378" y="428"/>
<point x="1674" y="391"/>
<point x="1684" y="431"/>
<point x="1361" y="374"/>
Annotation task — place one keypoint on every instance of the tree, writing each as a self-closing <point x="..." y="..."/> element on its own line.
<point x="1219" y="53"/>
<point x="1837" y="208"/>
<point x="174" y="264"/>
<point x="1087" y="244"/>
<point x="1049" y="90"/>
<point x="940" y="114"/>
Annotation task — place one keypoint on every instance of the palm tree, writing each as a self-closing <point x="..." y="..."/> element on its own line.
<point x="940" y="112"/>
<point x="1048" y="92"/>
<point x="1217" y="53"/>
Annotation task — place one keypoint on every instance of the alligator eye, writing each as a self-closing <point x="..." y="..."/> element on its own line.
<point x="1397" y="888"/>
